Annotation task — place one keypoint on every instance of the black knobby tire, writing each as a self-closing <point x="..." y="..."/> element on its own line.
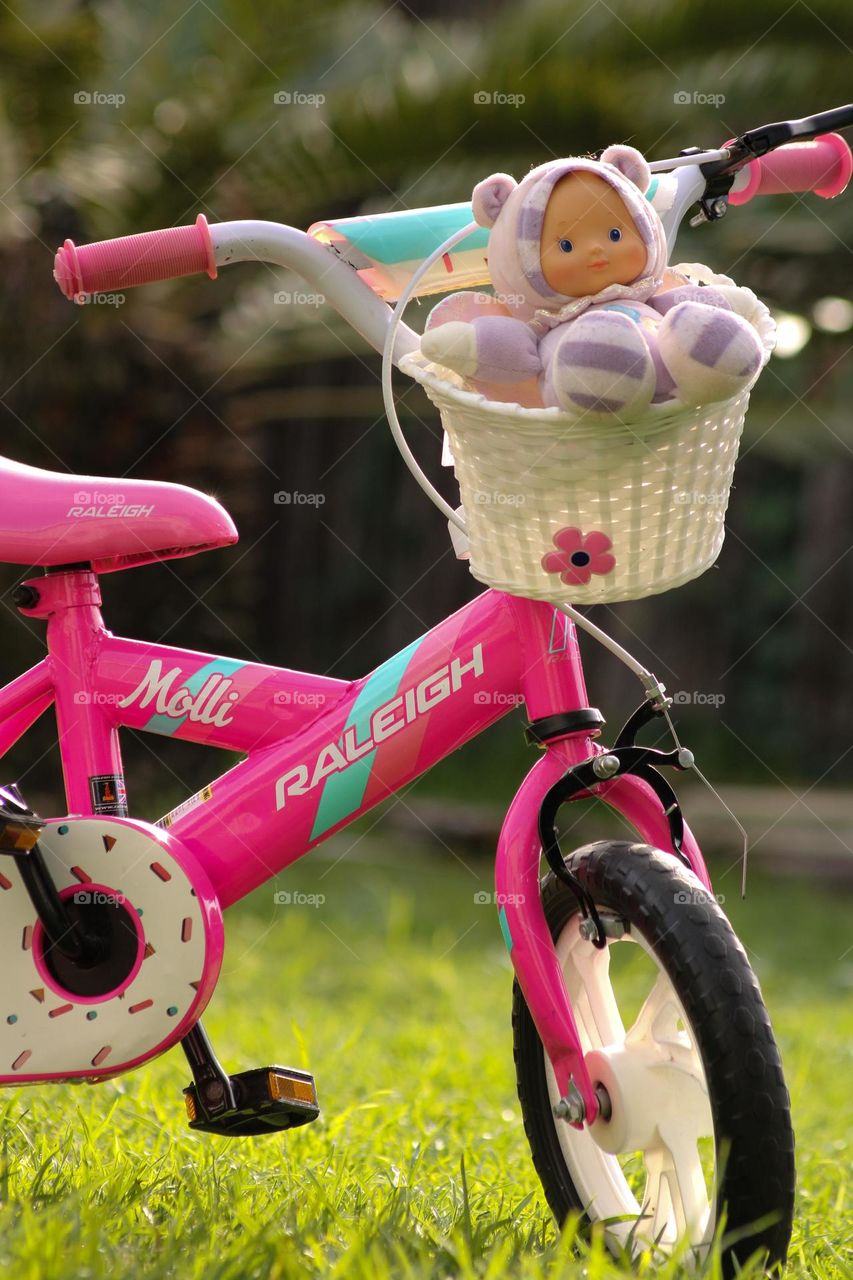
<point x="695" y="945"/>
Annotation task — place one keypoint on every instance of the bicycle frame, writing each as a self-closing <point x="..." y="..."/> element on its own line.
<point x="320" y="752"/>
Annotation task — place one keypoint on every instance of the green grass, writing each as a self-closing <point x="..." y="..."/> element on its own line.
<point x="396" y="994"/>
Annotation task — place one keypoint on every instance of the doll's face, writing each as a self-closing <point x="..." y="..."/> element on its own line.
<point x="589" y="239"/>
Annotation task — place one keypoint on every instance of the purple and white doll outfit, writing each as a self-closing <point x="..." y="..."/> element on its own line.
<point x="614" y="352"/>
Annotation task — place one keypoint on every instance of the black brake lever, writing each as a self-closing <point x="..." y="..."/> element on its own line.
<point x="769" y="136"/>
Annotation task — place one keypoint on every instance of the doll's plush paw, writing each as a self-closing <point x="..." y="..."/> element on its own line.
<point x="711" y="353"/>
<point x="601" y="367"/>
<point x="497" y="349"/>
<point x="453" y="345"/>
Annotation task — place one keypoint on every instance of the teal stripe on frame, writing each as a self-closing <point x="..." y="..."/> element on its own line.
<point x="343" y="792"/>
<point x="168" y="725"/>
<point x="504" y="923"/>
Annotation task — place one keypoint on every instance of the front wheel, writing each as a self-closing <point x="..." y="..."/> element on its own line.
<point x="673" y="1025"/>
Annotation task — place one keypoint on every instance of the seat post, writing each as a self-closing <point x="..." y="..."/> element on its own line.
<point x="68" y="597"/>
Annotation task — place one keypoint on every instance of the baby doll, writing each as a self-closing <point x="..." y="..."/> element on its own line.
<point x="586" y="315"/>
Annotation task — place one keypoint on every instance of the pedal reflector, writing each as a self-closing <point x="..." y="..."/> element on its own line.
<point x="290" y="1088"/>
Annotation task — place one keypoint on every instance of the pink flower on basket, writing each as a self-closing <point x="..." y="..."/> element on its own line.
<point x="579" y="556"/>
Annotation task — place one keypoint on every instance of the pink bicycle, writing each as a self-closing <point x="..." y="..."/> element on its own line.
<point x="666" y="1124"/>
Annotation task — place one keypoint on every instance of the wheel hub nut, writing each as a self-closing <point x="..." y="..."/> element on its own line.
<point x="572" y="1107"/>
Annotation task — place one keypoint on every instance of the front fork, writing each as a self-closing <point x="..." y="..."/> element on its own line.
<point x="522" y="917"/>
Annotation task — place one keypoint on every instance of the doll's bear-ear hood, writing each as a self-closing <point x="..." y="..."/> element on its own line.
<point x="630" y="163"/>
<point x="514" y="213"/>
<point x="490" y="196"/>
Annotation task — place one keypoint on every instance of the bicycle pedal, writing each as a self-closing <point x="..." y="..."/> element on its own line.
<point x="267" y="1099"/>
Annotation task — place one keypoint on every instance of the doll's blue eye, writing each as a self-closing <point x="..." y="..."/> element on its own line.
<point x="615" y="233"/>
<point x="566" y="246"/>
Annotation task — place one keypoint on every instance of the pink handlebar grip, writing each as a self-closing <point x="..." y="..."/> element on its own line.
<point x="110" y="265"/>
<point x="823" y="166"/>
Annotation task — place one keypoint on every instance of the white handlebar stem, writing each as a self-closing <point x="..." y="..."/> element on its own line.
<point x="691" y="187"/>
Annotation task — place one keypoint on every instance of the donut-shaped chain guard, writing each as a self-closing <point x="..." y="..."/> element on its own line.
<point x="160" y="967"/>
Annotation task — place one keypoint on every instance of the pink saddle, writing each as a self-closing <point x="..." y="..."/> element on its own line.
<point x="49" y="518"/>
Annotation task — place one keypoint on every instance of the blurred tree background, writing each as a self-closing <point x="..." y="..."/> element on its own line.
<point x="226" y="389"/>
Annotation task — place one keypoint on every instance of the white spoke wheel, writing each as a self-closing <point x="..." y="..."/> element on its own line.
<point x="674" y="1028"/>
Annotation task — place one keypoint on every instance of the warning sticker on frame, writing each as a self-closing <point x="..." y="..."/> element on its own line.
<point x="109" y="794"/>
<point x="199" y="798"/>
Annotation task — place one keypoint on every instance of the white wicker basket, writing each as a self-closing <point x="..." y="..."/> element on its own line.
<point x="656" y="487"/>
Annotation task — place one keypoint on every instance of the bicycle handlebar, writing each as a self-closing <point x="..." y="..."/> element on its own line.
<point x="756" y="163"/>
<point x="823" y="166"/>
<point x="110" y="265"/>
